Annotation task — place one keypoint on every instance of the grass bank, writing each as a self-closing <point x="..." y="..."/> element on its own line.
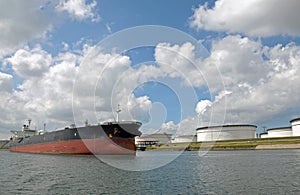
<point x="244" y="144"/>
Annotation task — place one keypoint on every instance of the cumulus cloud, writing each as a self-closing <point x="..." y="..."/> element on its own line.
<point x="256" y="89"/>
<point x="49" y="97"/>
<point x="139" y="107"/>
<point x="45" y="96"/>
<point x="30" y="62"/>
<point x="103" y="82"/>
<point x="21" y="21"/>
<point x="252" y="17"/>
<point x="6" y="82"/>
<point x="168" y="127"/>
<point x="202" y="106"/>
<point x="24" y="21"/>
<point x="235" y="59"/>
<point x="257" y="83"/>
<point x="85" y="85"/>
<point x="248" y="82"/>
<point x="175" y="60"/>
<point x="79" y="9"/>
<point x="188" y="125"/>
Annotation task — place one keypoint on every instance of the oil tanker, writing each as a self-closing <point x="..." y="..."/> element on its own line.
<point x="105" y="138"/>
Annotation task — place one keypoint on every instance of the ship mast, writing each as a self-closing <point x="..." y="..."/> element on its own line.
<point x="118" y="111"/>
<point x="29" y="122"/>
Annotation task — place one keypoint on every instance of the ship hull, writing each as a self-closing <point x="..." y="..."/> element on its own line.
<point x="87" y="146"/>
<point x="99" y="139"/>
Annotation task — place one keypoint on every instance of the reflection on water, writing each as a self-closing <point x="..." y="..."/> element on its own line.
<point x="143" y="161"/>
<point x="218" y="172"/>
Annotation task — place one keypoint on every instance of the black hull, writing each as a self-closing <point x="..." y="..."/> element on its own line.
<point x="79" y="140"/>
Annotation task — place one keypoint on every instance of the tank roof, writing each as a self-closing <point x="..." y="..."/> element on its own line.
<point x="182" y="136"/>
<point x="279" y="128"/>
<point x="295" y="119"/>
<point x="220" y="126"/>
<point x="263" y="133"/>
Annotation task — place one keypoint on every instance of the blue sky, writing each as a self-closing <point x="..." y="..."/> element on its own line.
<point x="67" y="60"/>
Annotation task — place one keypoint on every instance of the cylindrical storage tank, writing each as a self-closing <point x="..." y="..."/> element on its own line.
<point x="280" y="132"/>
<point x="226" y="132"/>
<point x="295" y="126"/>
<point x="264" y="135"/>
<point x="185" y="139"/>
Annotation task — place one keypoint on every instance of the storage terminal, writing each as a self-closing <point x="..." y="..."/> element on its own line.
<point x="293" y="130"/>
<point x="221" y="133"/>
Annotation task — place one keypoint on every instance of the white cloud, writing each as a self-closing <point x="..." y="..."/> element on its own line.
<point x="6" y="82"/>
<point x="168" y="127"/>
<point x="259" y="82"/>
<point x="234" y="59"/>
<point x="21" y="21"/>
<point x="202" y="106"/>
<point x="24" y="21"/>
<point x="103" y="82"/>
<point x="251" y="17"/>
<point x="65" y="46"/>
<point x="255" y="90"/>
<point x="79" y="9"/>
<point x="50" y="95"/>
<point x="221" y="95"/>
<point x="187" y="126"/>
<point x="30" y="62"/>
<point x="175" y="60"/>
<point x="45" y="96"/>
<point x="108" y="28"/>
<point x="139" y="107"/>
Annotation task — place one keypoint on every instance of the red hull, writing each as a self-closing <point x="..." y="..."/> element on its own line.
<point x="87" y="146"/>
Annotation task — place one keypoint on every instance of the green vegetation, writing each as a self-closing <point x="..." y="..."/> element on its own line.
<point x="4" y="144"/>
<point x="243" y="144"/>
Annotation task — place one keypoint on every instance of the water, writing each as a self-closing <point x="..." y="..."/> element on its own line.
<point x="218" y="172"/>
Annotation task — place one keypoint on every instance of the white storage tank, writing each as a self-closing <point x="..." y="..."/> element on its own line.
<point x="226" y="132"/>
<point x="280" y="132"/>
<point x="184" y="139"/>
<point x="295" y="126"/>
<point x="264" y="135"/>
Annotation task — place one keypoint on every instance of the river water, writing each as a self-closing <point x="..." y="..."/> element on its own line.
<point x="217" y="172"/>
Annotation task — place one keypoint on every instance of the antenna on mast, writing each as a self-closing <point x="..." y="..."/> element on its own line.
<point x="118" y="111"/>
<point x="29" y="122"/>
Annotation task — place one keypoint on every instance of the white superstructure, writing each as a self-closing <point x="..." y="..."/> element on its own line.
<point x="226" y="132"/>
<point x="160" y="138"/>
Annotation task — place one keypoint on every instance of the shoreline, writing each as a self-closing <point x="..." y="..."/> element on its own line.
<point x="4" y="144"/>
<point x="229" y="145"/>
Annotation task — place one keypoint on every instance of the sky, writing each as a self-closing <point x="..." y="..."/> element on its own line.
<point x="173" y="65"/>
